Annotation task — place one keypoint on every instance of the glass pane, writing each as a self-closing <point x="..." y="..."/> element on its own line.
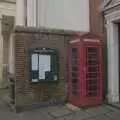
<point x="34" y="58"/>
<point x="74" y="70"/>
<point x="44" y="65"/>
<point x="92" y="75"/>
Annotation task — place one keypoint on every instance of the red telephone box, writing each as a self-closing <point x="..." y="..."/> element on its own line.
<point x="85" y="70"/>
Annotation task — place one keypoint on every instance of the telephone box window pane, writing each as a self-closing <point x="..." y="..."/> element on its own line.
<point x="74" y="70"/>
<point x="34" y="61"/>
<point x="92" y="72"/>
<point x="44" y="65"/>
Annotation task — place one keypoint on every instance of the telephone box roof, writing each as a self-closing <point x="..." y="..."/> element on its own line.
<point x="87" y="34"/>
<point x="86" y="37"/>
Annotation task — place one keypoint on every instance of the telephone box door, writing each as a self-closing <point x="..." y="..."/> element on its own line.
<point x="92" y="74"/>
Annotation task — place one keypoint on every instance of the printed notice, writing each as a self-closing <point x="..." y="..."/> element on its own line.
<point x="34" y="61"/>
<point x="44" y="65"/>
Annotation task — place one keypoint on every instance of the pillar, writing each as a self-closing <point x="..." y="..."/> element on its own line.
<point x="113" y="62"/>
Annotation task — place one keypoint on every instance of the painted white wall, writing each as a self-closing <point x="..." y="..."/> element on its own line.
<point x="65" y="14"/>
<point x="60" y="14"/>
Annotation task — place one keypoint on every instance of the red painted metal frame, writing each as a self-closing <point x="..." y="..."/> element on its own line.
<point x="80" y="99"/>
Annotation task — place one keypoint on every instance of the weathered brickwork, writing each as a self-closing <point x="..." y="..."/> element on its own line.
<point x="27" y="93"/>
<point x="96" y="18"/>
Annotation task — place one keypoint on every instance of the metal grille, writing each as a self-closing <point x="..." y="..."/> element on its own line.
<point x="92" y="73"/>
<point x="74" y="70"/>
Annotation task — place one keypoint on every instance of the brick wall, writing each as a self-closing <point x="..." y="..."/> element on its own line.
<point x="96" y="18"/>
<point x="26" y="93"/>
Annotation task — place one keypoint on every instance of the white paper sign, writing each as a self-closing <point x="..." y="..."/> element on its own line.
<point x="44" y="65"/>
<point x="34" y="61"/>
<point x="34" y="80"/>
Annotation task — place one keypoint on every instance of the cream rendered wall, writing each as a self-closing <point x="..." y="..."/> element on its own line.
<point x="59" y="14"/>
<point x="6" y="8"/>
<point x="64" y="14"/>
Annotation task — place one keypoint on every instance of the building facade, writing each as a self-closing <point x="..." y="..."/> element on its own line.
<point x="46" y="25"/>
<point x="50" y="28"/>
<point x="46" y="15"/>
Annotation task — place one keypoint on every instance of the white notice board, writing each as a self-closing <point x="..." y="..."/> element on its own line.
<point x="44" y="65"/>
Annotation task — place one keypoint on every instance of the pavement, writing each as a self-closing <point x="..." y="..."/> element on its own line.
<point x="4" y="99"/>
<point x="59" y="112"/>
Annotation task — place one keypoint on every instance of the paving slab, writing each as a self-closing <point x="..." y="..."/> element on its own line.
<point x="97" y="110"/>
<point x="59" y="111"/>
<point x="4" y="106"/>
<point x="114" y="115"/>
<point x="111" y="109"/>
<point x="34" y="115"/>
<point x="102" y="117"/>
<point x="79" y="115"/>
<point x="9" y="116"/>
<point x="70" y="117"/>
<point x="116" y="105"/>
